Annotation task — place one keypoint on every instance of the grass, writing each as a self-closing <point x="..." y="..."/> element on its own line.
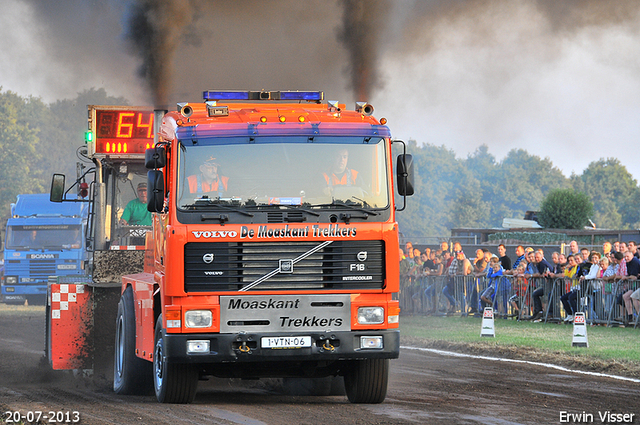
<point x="608" y="344"/>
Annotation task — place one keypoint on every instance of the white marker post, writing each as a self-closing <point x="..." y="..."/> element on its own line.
<point x="487" y="323"/>
<point x="580" y="331"/>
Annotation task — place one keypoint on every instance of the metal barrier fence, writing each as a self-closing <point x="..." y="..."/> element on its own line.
<point x="518" y="297"/>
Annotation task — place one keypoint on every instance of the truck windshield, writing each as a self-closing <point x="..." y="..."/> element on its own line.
<point x="44" y="237"/>
<point x="284" y="171"/>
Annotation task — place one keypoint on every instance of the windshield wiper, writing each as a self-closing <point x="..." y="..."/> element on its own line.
<point x="53" y="248"/>
<point x="211" y="204"/>
<point x="352" y="207"/>
<point x="292" y="207"/>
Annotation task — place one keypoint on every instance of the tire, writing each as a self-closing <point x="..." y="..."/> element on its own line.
<point x="37" y="299"/>
<point x="173" y="382"/>
<point x="366" y="381"/>
<point x="47" y="332"/>
<point x="131" y="374"/>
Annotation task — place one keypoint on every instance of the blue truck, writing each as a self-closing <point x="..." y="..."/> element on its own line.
<point x="42" y="239"/>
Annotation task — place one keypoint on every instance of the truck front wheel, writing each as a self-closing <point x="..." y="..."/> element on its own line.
<point x="131" y="374"/>
<point x="173" y="382"/>
<point x="365" y="381"/>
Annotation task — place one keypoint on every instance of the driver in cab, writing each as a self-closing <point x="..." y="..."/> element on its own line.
<point x="209" y="179"/>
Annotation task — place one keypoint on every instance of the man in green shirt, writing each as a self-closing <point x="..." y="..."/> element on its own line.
<point x="136" y="213"/>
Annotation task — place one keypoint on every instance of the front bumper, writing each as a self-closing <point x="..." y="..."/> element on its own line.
<point x="246" y="347"/>
<point x="12" y="298"/>
<point x="19" y="290"/>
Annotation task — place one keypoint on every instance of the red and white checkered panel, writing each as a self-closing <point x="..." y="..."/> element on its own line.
<point x="62" y="295"/>
<point x="71" y="321"/>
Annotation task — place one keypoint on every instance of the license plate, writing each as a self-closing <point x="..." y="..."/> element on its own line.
<point x="286" y="342"/>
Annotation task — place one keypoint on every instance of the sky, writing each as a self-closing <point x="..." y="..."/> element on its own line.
<point x="558" y="78"/>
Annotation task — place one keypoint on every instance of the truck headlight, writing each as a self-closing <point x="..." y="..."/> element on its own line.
<point x="370" y="315"/>
<point x="11" y="280"/>
<point x="198" y="319"/>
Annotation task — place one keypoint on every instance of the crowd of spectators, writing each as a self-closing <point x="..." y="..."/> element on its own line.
<point x="581" y="270"/>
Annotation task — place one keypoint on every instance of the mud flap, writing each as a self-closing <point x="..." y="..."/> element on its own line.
<point x="80" y="326"/>
<point x="69" y="321"/>
<point x="105" y="310"/>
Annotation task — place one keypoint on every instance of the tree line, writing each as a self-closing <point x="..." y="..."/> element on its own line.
<point x="478" y="191"/>
<point x="39" y="139"/>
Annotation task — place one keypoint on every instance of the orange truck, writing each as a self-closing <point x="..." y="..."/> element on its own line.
<point x="273" y="251"/>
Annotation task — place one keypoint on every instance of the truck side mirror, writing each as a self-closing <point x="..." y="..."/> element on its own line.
<point x="57" y="188"/>
<point x="404" y="171"/>
<point x="155" y="190"/>
<point x="155" y="158"/>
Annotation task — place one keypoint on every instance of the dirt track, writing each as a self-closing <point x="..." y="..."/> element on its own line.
<point x="425" y="387"/>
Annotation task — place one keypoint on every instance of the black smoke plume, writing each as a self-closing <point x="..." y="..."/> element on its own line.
<point x="360" y="32"/>
<point x="155" y="30"/>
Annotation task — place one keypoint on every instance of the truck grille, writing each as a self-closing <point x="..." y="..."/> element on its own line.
<point x="42" y="268"/>
<point x="39" y="270"/>
<point x="229" y="266"/>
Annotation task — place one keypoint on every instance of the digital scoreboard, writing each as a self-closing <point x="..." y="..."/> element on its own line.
<point x="120" y="131"/>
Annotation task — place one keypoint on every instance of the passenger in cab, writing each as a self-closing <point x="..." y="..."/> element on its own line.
<point x="340" y="174"/>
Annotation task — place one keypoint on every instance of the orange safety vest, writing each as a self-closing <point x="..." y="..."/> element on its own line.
<point x="348" y="178"/>
<point x="197" y="185"/>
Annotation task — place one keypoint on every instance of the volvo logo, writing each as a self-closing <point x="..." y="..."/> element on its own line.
<point x="208" y="258"/>
<point x="286" y="266"/>
<point x="362" y="256"/>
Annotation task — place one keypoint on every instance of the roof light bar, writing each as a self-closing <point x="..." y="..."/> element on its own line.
<point x="311" y="96"/>
<point x="225" y="95"/>
<point x="301" y="95"/>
